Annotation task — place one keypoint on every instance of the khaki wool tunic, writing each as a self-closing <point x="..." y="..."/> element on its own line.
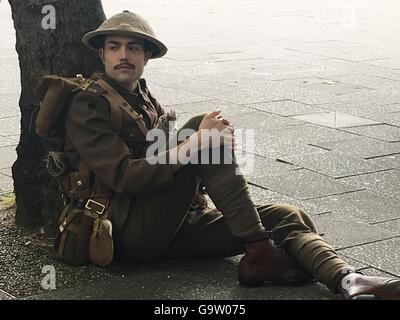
<point x="115" y="159"/>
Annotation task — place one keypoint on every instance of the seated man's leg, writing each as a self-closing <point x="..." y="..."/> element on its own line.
<point x="227" y="187"/>
<point x="294" y="231"/>
<point x="290" y="227"/>
<point x="207" y="234"/>
<point x="229" y="191"/>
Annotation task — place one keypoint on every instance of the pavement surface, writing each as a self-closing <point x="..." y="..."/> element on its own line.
<point x="317" y="82"/>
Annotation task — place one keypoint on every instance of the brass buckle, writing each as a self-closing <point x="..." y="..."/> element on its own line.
<point x="102" y="206"/>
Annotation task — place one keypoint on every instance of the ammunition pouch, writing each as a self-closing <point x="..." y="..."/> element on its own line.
<point x="84" y="232"/>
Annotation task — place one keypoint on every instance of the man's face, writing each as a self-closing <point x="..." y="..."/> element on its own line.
<point x="124" y="58"/>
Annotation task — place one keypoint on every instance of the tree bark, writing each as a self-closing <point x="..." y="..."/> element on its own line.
<point x="46" y="51"/>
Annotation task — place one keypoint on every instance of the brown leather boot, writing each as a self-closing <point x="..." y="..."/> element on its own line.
<point x="264" y="262"/>
<point x="356" y="286"/>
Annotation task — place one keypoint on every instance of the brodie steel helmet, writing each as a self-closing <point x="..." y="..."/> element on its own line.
<point x="129" y="24"/>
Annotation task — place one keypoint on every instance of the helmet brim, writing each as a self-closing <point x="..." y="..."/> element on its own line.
<point x="94" y="40"/>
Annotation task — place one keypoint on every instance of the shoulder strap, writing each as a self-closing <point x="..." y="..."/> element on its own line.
<point x="117" y="101"/>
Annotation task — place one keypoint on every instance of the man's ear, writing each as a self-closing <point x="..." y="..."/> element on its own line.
<point x="147" y="57"/>
<point x="101" y="54"/>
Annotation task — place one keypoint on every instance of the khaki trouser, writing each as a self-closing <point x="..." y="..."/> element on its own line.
<point x="160" y="226"/>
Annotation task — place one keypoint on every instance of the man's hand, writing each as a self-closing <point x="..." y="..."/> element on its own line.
<point x="214" y="120"/>
<point x="214" y="124"/>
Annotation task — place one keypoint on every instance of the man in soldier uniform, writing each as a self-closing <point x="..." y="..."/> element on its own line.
<point x="150" y="203"/>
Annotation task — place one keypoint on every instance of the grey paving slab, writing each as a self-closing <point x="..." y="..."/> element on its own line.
<point x="364" y="267"/>
<point x="335" y="120"/>
<point x="381" y="255"/>
<point x="365" y="109"/>
<point x="305" y="95"/>
<point x="253" y="166"/>
<point x="286" y="108"/>
<point x="371" y="81"/>
<point x="264" y="122"/>
<point x="209" y="53"/>
<point x="310" y="133"/>
<point x="8" y="156"/>
<point x="289" y="131"/>
<point x="6" y="171"/>
<point x="9" y="101"/>
<point x="174" y="78"/>
<point x="167" y="96"/>
<point x="6" y="183"/>
<point x="361" y="206"/>
<point x="388" y="162"/>
<point x="348" y="51"/>
<point x="262" y="196"/>
<point x="355" y="263"/>
<point x="330" y="86"/>
<point x="377" y="273"/>
<point x="227" y="109"/>
<point x="6" y="112"/>
<point x="385" y="183"/>
<point x="14" y="139"/>
<point x="334" y="164"/>
<point x="391" y="62"/>
<point x="5" y="296"/>
<point x="196" y="280"/>
<point x="168" y="62"/>
<point x="270" y="67"/>
<point x="215" y="82"/>
<point x="10" y="126"/>
<point x="391" y="225"/>
<point x="391" y="119"/>
<point x="304" y="184"/>
<point x="362" y="147"/>
<point x="366" y="97"/>
<point x="279" y="142"/>
<point x="280" y="147"/>
<point x="5" y="142"/>
<point x="247" y="95"/>
<point x="333" y="67"/>
<point x="381" y="132"/>
<point x="341" y="233"/>
<point x="393" y="74"/>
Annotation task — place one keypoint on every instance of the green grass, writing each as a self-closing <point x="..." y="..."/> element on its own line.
<point x="7" y="200"/>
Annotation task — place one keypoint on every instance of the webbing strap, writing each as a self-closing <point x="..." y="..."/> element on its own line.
<point x="116" y="100"/>
<point x="64" y="225"/>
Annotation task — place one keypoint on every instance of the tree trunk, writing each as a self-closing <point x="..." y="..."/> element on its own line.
<point x="43" y="50"/>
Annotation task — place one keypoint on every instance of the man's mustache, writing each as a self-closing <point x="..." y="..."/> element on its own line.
<point x="124" y="65"/>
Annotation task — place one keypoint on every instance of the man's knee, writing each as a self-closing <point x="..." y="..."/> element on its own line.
<point x="290" y="214"/>
<point x="297" y="215"/>
<point x="194" y="122"/>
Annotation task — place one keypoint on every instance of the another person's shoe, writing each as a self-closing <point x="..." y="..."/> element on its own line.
<point x="264" y="262"/>
<point x="356" y="286"/>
